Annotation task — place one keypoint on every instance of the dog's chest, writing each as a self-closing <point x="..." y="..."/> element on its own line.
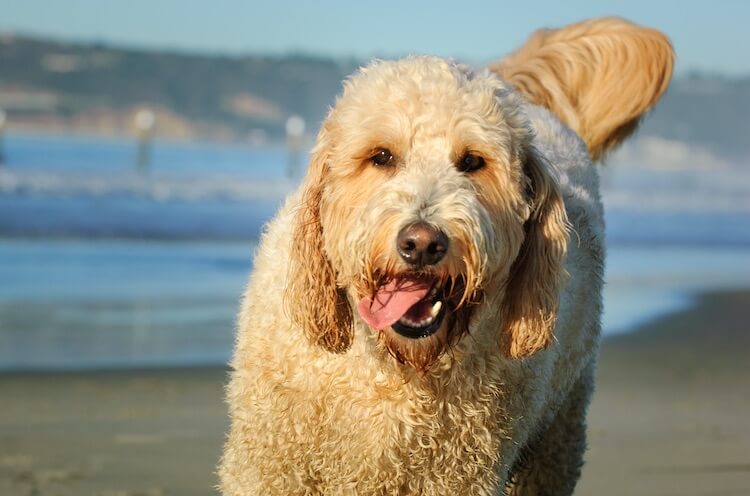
<point x="405" y="440"/>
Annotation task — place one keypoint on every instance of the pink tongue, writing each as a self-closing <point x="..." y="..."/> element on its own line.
<point x="392" y="301"/>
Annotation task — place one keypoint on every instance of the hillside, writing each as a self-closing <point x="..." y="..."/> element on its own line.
<point x="46" y="83"/>
<point x="95" y="88"/>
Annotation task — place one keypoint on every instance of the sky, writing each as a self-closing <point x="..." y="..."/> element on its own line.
<point x="710" y="36"/>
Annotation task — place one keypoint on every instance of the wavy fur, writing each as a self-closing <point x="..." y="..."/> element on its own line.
<point x="312" y="297"/>
<point x="533" y="286"/>
<point x="322" y="404"/>
<point x="598" y="76"/>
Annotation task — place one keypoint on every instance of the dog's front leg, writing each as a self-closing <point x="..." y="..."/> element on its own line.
<point x="551" y="464"/>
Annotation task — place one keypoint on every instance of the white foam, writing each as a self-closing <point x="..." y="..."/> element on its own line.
<point x="160" y="188"/>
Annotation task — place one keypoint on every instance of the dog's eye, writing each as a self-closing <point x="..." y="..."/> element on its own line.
<point x="470" y="162"/>
<point x="382" y="157"/>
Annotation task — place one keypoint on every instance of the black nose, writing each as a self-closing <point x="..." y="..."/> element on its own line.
<point x="421" y="244"/>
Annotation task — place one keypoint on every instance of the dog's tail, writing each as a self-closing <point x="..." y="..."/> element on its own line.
<point x="598" y="76"/>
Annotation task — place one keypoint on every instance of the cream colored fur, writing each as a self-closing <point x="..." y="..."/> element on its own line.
<point x="495" y="401"/>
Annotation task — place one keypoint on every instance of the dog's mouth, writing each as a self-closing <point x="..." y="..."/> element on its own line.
<point x="414" y="306"/>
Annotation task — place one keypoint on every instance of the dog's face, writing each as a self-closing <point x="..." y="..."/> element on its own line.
<point x="423" y="193"/>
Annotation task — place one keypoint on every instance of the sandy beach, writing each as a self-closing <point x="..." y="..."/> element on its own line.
<point x="669" y="417"/>
<point x="670" y="412"/>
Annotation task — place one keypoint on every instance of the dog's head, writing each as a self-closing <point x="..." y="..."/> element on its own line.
<point x="424" y="190"/>
<point x="424" y="197"/>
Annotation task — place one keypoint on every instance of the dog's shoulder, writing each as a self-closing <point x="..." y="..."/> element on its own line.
<point x="569" y="163"/>
<point x="568" y="160"/>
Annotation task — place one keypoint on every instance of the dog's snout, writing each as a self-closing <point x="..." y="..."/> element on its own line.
<point x="421" y="244"/>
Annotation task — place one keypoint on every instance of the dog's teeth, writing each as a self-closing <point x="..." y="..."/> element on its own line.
<point x="434" y="311"/>
<point x="436" y="308"/>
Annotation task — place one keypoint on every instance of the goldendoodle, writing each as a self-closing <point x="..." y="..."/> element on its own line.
<point x="424" y="313"/>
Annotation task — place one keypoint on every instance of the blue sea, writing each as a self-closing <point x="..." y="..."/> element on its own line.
<point x="102" y="266"/>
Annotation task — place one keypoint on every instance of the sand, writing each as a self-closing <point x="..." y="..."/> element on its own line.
<point x="145" y="433"/>
<point x="671" y="416"/>
<point x="671" y="412"/>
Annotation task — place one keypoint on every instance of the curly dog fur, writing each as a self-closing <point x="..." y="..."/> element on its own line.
<point x="493" y="398"/>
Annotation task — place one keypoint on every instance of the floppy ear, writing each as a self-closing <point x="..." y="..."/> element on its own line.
<point x="598" y="76"/>
<point x="313" y="300"/>
<point x="533" y="288"/>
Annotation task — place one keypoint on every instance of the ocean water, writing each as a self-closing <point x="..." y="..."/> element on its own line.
<point x="101" y="266"/>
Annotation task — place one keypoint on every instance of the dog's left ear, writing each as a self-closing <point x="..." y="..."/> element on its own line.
<point x="533" y="287"/>
<point x="312" y="298"/>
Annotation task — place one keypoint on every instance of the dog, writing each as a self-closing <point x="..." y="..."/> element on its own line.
<point x="424" y="313"/>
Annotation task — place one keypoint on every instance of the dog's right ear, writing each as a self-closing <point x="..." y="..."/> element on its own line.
<point x="312" y="298"/>
<point x="598" y="76"/>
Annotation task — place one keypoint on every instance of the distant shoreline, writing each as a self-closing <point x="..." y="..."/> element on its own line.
<point x="129" y="136"/>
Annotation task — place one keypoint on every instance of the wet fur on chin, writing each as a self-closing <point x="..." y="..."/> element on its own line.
<point x="421" y="354"/>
